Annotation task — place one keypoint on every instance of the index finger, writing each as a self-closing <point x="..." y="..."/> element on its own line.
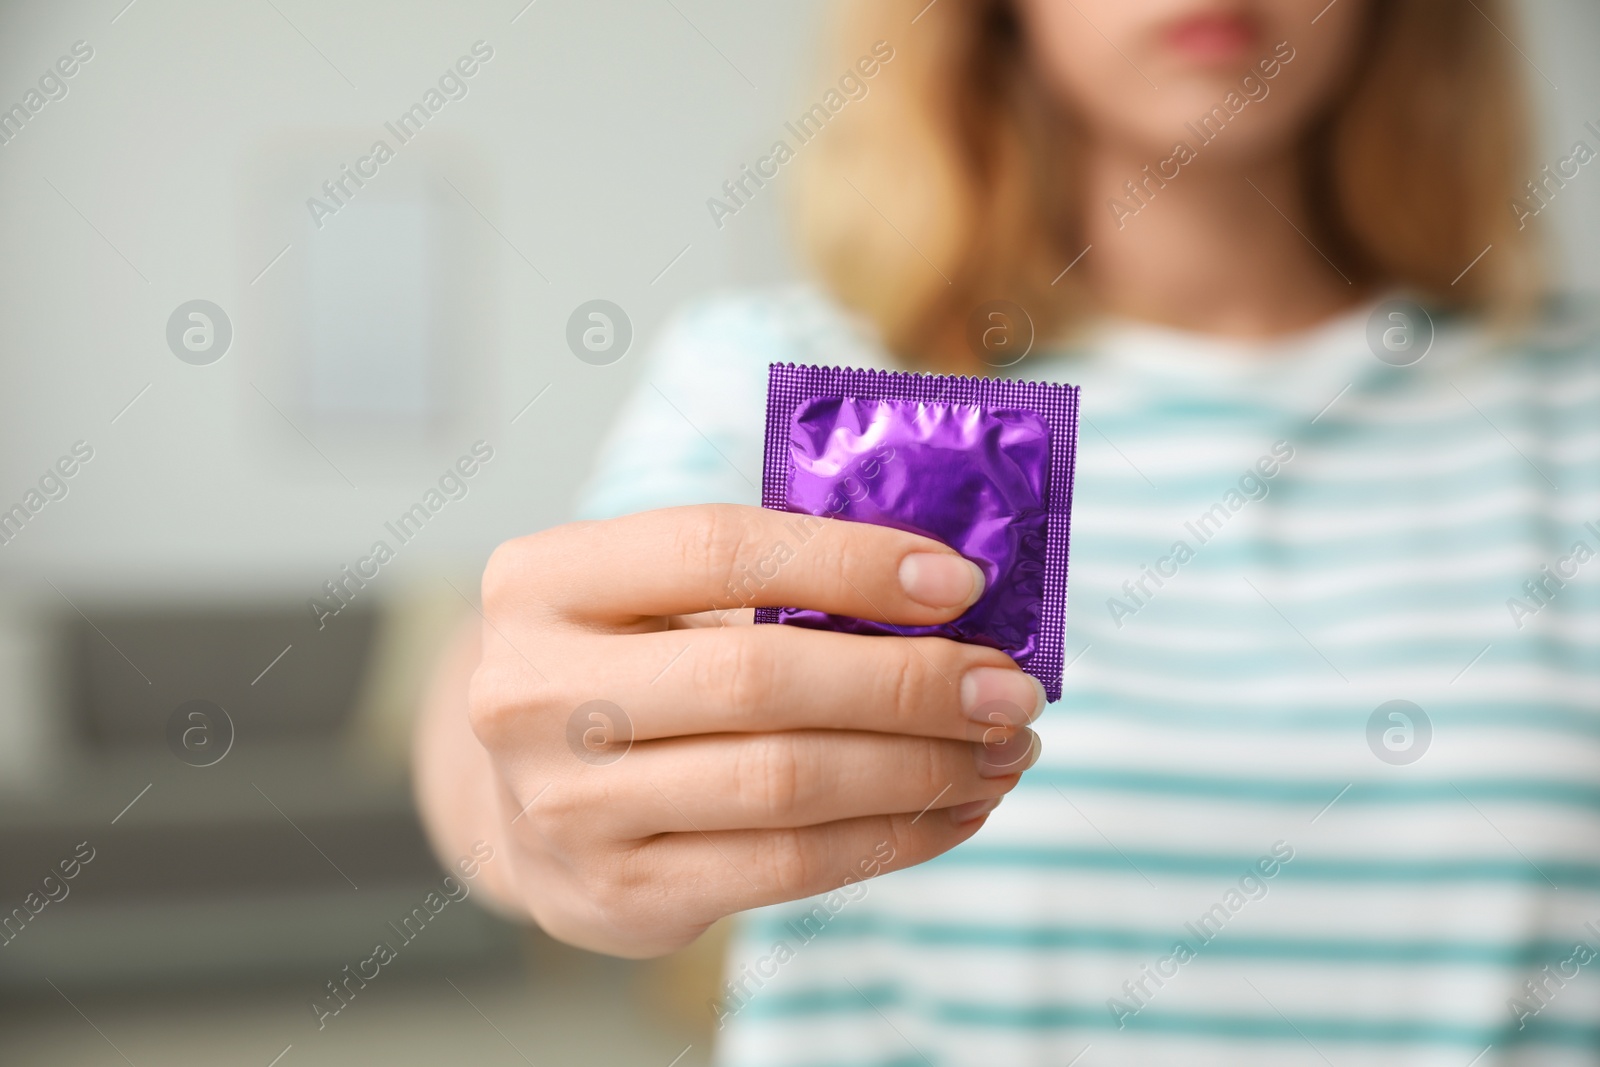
<point x="723" y="556"/>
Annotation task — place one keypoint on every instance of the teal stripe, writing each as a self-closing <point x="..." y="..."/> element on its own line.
<point x="1453" y="871"/>
<point x="1212" y="582"/>
<point x="1208" y="587"/>
<point x="1562" y="392"/>
<point x="1227" y="551"/>
<point x="1313" y="791"/>
<point x="1445" y="447"/>
<point x="1134" y="532"/>
<point x="766" y="928"/>
<point x="1551" y="443"/>
<point x="1085" y="705"/>
<point x="1405" y="488"/>
<point x="1423" y="537"/>
<point x="875" y="998"/>
<point x="1273" y="643"/>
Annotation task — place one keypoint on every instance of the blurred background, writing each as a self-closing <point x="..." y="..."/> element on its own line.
<point x="207" y="671"/>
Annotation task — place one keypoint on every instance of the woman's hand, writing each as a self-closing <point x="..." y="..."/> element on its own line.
<point x="728" y="765"/>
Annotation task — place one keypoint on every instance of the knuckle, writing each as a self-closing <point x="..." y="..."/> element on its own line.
<point x="554" y="811"/>
<point x="528" y="571"/>
<point x="933" y="763"/>
<point x="620" y="881"/>
<point x="490" y="707"/>
<point x="715" y="544"/>
<point x="903" y="841"/>
<point x="769" y="777"/>
<point x="606" y="889"/>
<point x="502" y="701"/>
<point x="842" y="553"/>
<point x="905" y="686"/>
<point x="501" y="574"/>
<point x="864" y="554"/>
<point x="784" y="863"/>
<point x="740" y="668"/>
<point x="564" y="832"/>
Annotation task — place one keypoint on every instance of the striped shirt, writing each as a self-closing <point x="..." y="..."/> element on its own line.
<point x="1324" y="784"/>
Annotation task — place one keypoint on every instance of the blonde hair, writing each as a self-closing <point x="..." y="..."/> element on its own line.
<point x="956" y="183"/>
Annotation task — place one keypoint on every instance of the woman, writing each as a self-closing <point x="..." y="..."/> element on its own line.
<point x="1322" y="784"/>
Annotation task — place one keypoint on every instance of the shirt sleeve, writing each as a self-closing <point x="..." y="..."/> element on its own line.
<point x="692" y="430"/>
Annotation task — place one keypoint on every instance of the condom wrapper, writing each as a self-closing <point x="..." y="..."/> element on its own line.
<point x="982" y="464"/>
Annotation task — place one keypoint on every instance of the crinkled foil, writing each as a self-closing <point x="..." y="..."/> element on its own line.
<point x="983" y="465"/>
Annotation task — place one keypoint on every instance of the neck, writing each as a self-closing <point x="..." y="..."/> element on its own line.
<point x="1221" y="248"/>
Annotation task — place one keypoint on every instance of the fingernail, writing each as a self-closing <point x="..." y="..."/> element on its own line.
<point x="1009" y="755"/>
<point x="941" y="580"/>
<point x="1000" y="696"/>
<point x="962" y="814"/>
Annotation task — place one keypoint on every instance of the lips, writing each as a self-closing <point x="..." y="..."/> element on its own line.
<point x="1211" y="38"/>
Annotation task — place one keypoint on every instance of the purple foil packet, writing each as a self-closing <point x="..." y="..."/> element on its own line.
<point x="982" y="464"/>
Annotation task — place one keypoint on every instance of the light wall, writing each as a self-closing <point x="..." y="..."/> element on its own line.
<point x="577" y="166"/>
